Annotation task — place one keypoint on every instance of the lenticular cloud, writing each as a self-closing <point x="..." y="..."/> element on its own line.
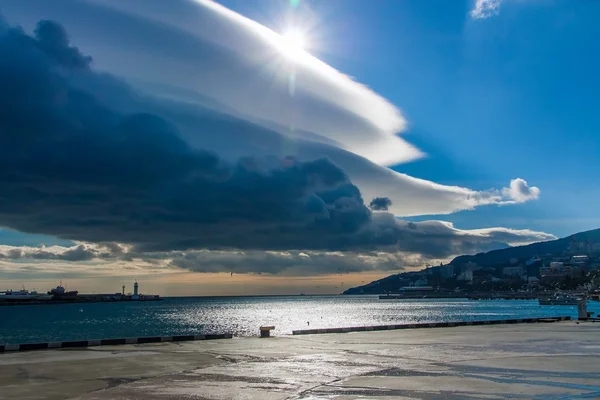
<point x="199" y="50"/>
<point x="201" y="56"/>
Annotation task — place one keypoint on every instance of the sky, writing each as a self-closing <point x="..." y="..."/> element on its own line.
<point x="285" y="146"/>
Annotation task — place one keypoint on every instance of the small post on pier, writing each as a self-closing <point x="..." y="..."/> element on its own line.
<point x="265" y="331"/>
<point x="582" y="313"/>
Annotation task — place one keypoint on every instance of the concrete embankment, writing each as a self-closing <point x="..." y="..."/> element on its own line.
<point x="526" y="361"/>
<point x="184" y="338"/>
<point x="428" y="325"/>
<point x="109" y="342"/>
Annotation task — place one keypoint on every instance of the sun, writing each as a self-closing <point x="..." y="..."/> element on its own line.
<point x="295" y="39"/>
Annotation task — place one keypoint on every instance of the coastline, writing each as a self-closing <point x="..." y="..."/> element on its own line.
<point x="242" y="316"/>
<point x="8" y="347"/>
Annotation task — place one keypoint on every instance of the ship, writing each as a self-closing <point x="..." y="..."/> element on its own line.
<point x="23" y="295"/>
<point x="59" y="292"/>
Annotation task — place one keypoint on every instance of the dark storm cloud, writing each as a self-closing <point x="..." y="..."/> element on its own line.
<point x="52" y="39"/>
<point x="380" y="204"/>
<point x="73" y="166"/>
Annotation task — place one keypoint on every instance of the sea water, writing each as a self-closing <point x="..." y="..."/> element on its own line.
<point x="242" y="316"/>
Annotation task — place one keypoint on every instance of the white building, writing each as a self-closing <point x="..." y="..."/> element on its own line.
<point x="136" y="295"/>
<point x="558" y="270"/>
<point x="579" y="260"/>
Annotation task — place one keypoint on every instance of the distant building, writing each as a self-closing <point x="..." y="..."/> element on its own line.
<point x="513" y="261"/>
<point x="416" y="288"/>
<point x="580" y="261"/>
<point x="513" y="271"/>
<point x="466" y="276"/>
<point x="558" y="270"/>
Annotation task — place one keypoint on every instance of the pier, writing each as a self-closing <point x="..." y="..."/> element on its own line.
<point x="461" y="295"/>
<point x="59" y="295"/>
<point x="538" y="360"/>
<point x="430" y="295"/>
<point x="504" y="296"/>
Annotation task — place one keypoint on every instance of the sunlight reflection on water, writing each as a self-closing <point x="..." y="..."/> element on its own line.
<point x="243" y="315"/>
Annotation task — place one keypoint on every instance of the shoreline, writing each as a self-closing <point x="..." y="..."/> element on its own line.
<point x="20" y="347"/>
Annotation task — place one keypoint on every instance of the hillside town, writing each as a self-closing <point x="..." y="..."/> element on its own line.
<point x="568" y="264"/>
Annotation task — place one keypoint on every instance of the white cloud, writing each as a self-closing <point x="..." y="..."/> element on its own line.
<point x="76" y="253"/>
<point x="520" y="191"/>
<point x="203" y="54"/>
<point x="485" y="8"/>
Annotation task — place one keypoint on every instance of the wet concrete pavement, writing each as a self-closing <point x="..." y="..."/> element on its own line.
<point x="530" y="361"/>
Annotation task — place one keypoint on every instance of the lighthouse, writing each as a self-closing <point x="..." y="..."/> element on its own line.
<point x="135" y="296"/>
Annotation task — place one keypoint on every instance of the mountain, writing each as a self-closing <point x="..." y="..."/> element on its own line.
<point x="554" y="247"/>
<point x="583" y="242"/>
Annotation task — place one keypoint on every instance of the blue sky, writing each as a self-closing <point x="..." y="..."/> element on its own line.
<point x="226" y="148"/>
<point x="514" y="94"/>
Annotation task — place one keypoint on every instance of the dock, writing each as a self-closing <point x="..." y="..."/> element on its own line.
<point x="60" y="296"/>
<point x="539" y="360"/>
<point x="431" y="295"/>
<point x="461" y="295"/>
<point x="78" y="299"/>
<point x="504" y="296"/>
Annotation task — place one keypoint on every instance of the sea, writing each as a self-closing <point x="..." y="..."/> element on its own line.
<point x="242" y="316"/>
